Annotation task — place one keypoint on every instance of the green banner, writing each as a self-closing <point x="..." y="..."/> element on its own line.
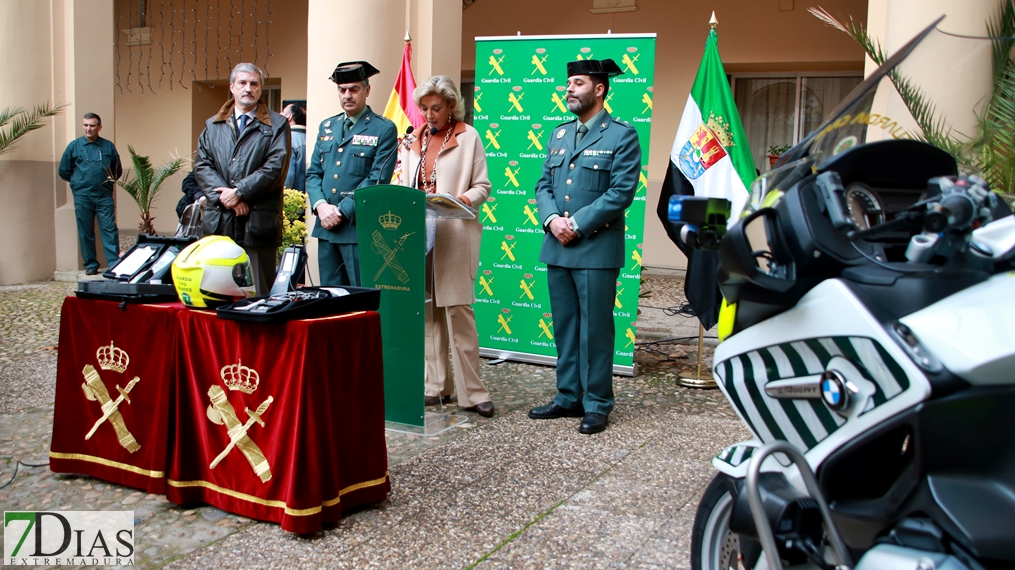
<point x="519" y="99"/>
<point x="392" y="251"/>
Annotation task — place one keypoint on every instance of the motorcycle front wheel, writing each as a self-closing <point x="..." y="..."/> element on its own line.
<point x="713" y="545"/>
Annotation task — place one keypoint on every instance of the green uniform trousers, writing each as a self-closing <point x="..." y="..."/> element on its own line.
<point x="87" y="207"/>
<point x="582" y="304"/>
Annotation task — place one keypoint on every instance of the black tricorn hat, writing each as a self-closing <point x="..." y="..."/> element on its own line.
<point x="600" y="67"/>
<point x="353" y="72"/>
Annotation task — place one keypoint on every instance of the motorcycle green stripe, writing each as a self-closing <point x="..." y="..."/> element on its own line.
<point x="788" y="407"/>
<point x="867" y="355"/>
<point x="893" y="367"/>
<point x="845" y="346"/>
<point x="731" y="392"/>
<point x="824" y="416"/>
<point x="759" y="399"/>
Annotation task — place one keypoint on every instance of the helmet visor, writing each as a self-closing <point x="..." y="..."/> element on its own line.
<point x="242" y="274"/>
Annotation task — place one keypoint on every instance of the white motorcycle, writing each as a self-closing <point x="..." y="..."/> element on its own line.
<point x="869" y="346"/>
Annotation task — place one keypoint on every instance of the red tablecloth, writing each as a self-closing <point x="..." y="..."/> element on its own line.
<point x="291" y="415"/>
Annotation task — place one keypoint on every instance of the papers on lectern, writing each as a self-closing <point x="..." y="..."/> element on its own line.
<point x="447" y="206"/>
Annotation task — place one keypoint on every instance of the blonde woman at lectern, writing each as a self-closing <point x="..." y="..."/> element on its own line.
<point x="448" y="158"/>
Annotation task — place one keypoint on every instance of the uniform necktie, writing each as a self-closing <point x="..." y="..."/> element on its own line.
<point x="348" y="126"/>
<point x="242" y="123"/>
<point x="582" y="129"/>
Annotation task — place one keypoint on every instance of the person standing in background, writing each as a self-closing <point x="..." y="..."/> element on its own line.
<point x="354" y="149"/>
<point x="297" y="177"/>
<point x="242" y="160"/>
<point x="92" y="166"/>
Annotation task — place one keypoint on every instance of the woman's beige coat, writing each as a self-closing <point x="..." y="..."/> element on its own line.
<point x="461" y="170"/>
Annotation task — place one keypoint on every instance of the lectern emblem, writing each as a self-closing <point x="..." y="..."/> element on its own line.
<point x="221" y="411"/>
<point x="387" y="252"/>
<point x="117" y="360"/>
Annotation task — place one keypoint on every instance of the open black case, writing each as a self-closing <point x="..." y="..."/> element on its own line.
<point x="303" y="303"/>
<point x="142" y="274"/>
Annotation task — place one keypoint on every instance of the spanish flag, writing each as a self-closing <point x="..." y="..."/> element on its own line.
<point x="401" y="109"/>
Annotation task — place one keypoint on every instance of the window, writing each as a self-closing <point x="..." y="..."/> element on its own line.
<point x="779" y="110"/>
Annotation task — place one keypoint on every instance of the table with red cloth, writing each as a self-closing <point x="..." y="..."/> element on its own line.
<point x="278" y="422"/>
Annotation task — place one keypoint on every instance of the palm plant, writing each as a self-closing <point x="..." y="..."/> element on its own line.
<point x="144" y="185"/>
<point x="991" y="149"/>
<point x="16" y="122"/>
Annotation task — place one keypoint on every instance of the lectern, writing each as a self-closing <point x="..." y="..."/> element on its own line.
<point x="391" y="230"/>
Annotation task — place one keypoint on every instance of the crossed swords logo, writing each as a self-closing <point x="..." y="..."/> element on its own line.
<point x="221" y="412"/>
<point x="508" y="250"/>
<point x="495" y="65"/>
<point x="475" y="102"/>
<point x="380" y="246"/>
<point x="536" y="61"/>
<point x="486" y="284"/>
<point x="558" y="103"/>
<point x="627" y="61"/>
<point x="512" y="175"/>
<point x="530" y="216"/>
<point x="95" y="389"/>
<point x="488" y="211"/>
<point x="492" y="137"/>
<point x="516" y="102"/>
<point x="526" y="288"/>
<point x="504" y="323"/>
<point x="536" y="139"/>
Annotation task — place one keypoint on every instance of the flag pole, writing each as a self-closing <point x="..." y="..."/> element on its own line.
<point x="689" y="379"/>
<point x="696" y="380"/>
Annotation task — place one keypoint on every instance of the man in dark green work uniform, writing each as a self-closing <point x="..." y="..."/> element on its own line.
<point x="91" y="165"/>
<point x="589" y="179"/>
<point x="354" y="149"/>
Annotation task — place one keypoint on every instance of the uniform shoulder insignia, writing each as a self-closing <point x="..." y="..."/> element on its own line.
<point x="383" y="118"/>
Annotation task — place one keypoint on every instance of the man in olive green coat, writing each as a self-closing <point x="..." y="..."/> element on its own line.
<point x="354" y="149"/>
<point x="589" y="180"/>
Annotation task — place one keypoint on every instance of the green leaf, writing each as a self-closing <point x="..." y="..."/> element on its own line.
<point x="15" y="122"/>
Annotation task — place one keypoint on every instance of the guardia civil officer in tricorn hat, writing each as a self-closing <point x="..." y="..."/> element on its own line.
<point x="589" y="179"/>
<point x="353" y="149"/>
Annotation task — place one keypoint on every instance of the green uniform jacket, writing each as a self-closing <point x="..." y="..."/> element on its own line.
<point x="365" y="156"/>
<point x="91" y="166"/>
<point x="593" y="184"/>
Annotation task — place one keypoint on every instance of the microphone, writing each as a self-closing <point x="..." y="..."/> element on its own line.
<point x="408" y="131"/>
<point x="433" y="131"/>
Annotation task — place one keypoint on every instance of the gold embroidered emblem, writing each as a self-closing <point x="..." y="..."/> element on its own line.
<point x="221" y="412"/>
<point x="239" y="377"/>
<point x="95" y="390"/>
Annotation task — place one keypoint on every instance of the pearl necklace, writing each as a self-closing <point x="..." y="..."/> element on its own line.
<point x="430" y="184"/>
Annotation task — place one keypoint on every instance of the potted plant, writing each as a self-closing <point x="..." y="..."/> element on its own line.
<point x="774" y="152"/>
<point x="144" y="185"/>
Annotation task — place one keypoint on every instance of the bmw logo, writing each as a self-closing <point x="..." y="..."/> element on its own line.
<point x="833" y="390"/>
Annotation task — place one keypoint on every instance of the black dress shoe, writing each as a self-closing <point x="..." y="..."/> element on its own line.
<point x="434" y="400"/>
<point x="593" y="423"/>
<point x="553" y="411"/>
<point x="484" y="409"/>
<point x="91" y="271"/>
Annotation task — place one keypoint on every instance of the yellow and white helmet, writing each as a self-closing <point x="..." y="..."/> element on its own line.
<point x="212" y="272"/>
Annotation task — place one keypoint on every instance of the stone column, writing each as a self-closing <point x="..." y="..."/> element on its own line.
<point x="374" y="31"/>
<point x="64" y="55"/>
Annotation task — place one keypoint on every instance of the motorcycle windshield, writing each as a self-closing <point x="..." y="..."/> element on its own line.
<point x="932" y="89"/>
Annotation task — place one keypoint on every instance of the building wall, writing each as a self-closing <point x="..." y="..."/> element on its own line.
<point x="753" y="36"/>
<point x="165" y="121"/>
<point x="57" y="53"/>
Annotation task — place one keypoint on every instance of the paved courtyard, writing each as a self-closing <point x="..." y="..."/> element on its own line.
<point x="504" y="492"/>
